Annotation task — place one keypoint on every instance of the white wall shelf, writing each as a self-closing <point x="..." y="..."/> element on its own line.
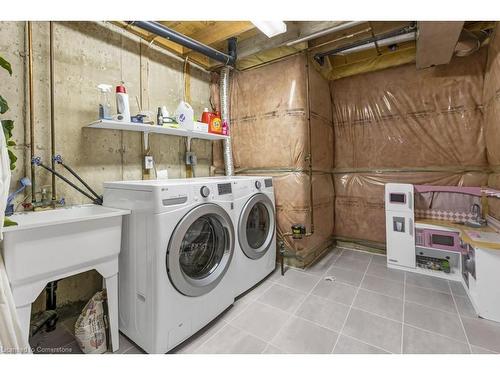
<point x="148" y="129"/>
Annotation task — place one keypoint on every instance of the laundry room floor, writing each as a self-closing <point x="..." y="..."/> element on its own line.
<point x="349" y="302"/>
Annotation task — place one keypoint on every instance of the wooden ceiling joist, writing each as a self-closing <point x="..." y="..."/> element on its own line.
<point x="220" y="31"/>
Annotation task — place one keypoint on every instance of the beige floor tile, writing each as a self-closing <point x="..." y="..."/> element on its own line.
<point x="434" y="320"/>
<point x="261" y="320"/>
<point x="431" y="298"/>
<point x="381" y="270"/>
<point x="428" y="282"/>
<point x="383" y="286"/>
<point x="374" y="330"/>
<point x="348" y="345"/>
<point x="417" y="341"/>
<point x="380" y="304"/>
<point x="231" y="340"/>
<point x="299" y="336"/>
<point x="323" y="312"/>
<point x="483" y="333"/>
<point x="335" y="291"/>
<point x="282" y="297"/>
<point x="298" y="280"/>
<point x="345" y="275"/>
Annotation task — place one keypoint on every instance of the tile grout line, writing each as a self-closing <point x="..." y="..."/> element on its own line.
<point x="228" y="322"/>
<point x="292" y="314"/>
<point x="350" y="308"/>
<point x="328" y="328"/>
<point x="403" y="317"/>
<point x="460" y="317"/>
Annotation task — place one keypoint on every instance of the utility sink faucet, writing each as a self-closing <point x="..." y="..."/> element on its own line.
<point x="478" y="217"/>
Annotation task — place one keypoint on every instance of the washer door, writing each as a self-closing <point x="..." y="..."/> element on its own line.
<point x="256" y="226"/>
<point x="200" y="250"/>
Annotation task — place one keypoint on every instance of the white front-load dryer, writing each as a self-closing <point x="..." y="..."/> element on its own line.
<point x="177" y="248"/>
<point x="255" y="218"/>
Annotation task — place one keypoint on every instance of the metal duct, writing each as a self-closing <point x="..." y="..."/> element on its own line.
<point x="224" y="106"/>
<point x="330" y="30"/>
<point x="378" y="40"/>
<point x="165" y="32"/>
<point x="382" y="43"/>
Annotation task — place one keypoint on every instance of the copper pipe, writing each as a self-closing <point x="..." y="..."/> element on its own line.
<point x="52" y="111"/>
<point x="31" y="110"/>
<point x="309" y="130"/>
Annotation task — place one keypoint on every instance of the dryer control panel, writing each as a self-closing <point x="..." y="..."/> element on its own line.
<point x="224" y="188"/>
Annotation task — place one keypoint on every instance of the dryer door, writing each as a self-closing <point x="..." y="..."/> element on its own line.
<point x="200" y="250"/>
<point x="256" y="226"/>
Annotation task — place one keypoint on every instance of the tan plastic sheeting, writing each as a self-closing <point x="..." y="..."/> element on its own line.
<point x="491" y="99"/>
<point x="404" y="125"/>
<point x="402" y="117"/>
<point x="359" y="199"/>
<point x="270" y="113"/>
<point x="292" y="207"/>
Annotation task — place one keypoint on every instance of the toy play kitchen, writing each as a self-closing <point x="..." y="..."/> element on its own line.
<point x="446" y="232"/>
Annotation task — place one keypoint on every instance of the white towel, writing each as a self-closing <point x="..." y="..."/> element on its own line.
<point x="4" y="178"/>
<point x="11" y="338"/>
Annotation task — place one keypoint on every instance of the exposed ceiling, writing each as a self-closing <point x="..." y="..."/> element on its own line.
<point x="255" y="49"/>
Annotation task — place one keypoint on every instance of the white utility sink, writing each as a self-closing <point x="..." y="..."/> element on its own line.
<point x="51" y="245"/>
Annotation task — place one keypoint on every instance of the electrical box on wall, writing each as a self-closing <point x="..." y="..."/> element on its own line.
<point x="148" y="162"/>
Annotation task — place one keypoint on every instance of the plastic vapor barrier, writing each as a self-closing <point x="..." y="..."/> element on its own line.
<point x="277" y="112"/>
<point x="491" y="100"/>
<point x="434" y="126"/>
<point x="405" y="125"/>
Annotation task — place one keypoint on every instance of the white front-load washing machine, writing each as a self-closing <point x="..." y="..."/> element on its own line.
<point x="177" y="250"/>
<point x="255" y="221"/>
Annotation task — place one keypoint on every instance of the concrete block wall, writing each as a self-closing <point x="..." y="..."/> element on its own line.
<point x="87" y="54"/>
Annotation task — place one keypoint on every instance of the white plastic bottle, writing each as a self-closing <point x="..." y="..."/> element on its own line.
<point x="122" y="104"/>
<point x="104" y="101"/>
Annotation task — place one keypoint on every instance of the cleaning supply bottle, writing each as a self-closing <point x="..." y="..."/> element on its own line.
<point x="225" y="129"/>
<point x="159" y="117"/>
<point x="205" y="116"/>
<point x="122" y="104"/>
<point x="104" y="101"/>
<point x="184" y="115"/>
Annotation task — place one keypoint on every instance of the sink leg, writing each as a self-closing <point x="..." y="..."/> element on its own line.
<point x="111" y="284"/>
<point x="24" y="315"/>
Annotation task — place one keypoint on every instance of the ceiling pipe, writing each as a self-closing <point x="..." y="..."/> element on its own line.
<point x="382" y="43"/>
<point x="406" y="33"/>
<point x="170" y="34"/>
<point x="333" y="29"/>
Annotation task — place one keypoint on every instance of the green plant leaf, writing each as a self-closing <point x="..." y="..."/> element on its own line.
<point x="8" y="126"/>
<point x="11" y="143"/>
<point x="8" y="223"/>
<point x="6" y="65"/>
<point x="4" y="107"/>
<point x="13" y="159"/>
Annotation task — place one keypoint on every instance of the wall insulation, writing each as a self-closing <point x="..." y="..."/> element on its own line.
<point x="277" y="112"/>
<point x="491" y="100"/>
<point x="405" y="125"/>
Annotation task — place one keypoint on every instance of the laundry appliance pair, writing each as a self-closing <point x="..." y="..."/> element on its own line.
<point x="189" y="248"/>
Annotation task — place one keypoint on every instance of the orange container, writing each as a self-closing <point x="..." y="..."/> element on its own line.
<point x="215" y="124"/>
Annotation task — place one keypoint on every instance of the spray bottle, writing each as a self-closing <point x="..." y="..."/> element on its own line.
<point x="104" y="101"/>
